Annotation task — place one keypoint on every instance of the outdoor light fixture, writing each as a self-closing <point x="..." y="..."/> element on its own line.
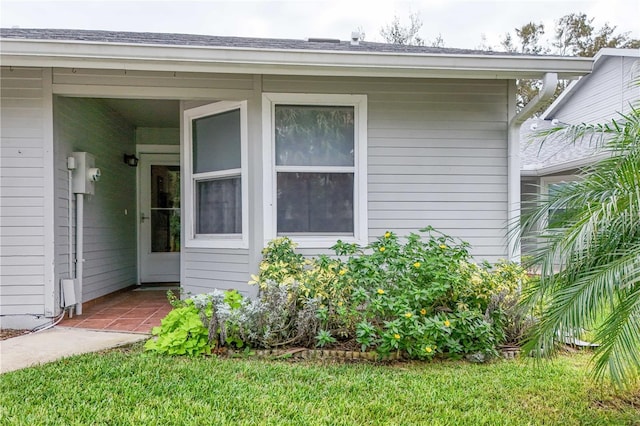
<point x="131" y="160"/>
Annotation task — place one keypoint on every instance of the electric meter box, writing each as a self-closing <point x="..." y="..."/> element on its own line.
<point x="85" y="174"/>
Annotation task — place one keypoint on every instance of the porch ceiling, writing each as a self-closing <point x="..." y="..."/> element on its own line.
<point x="147" y="112"/>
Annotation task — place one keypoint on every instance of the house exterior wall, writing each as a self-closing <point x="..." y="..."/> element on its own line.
<point x="110" y="243"/>
<point x="201" y="269"/>
<point x="437" y="155"/>
<point x="26" y="204"/>
<point x="605" y="93"/>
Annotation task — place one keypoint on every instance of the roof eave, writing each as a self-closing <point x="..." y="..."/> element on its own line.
<point x="545" y="170"/>
<point x="52" y="53"/>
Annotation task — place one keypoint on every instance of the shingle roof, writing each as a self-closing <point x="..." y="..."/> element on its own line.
<point x="538" y="153"/>
<point x="221" y="41"/>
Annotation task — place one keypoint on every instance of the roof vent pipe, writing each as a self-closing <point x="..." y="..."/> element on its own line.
<point x="355" y="38"/>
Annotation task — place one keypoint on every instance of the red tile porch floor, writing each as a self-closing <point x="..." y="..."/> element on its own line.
<point x="137" y="310"/>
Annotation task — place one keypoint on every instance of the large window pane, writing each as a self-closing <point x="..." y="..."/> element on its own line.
<point x="219" y="206"/>
<point x="165" y="186"/>
<point x="314" y="135"/>
<point x="165" y="230"/>
<point x="216" y="142"/>
<point x="315" y="203"/>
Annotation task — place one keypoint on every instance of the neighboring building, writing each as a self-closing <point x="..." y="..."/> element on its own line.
<point x="239" y="141"/>
<point x="609" y="91"/>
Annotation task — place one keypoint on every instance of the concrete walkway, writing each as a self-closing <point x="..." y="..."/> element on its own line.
<point x="58" y="342"/>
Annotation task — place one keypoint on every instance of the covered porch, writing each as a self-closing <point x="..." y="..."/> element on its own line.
<point x="135" y="309"/>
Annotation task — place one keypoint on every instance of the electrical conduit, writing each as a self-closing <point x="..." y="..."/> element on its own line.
<point x="79" y="248"/>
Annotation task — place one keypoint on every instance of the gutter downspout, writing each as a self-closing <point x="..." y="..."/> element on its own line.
<point x="549" y="85"/>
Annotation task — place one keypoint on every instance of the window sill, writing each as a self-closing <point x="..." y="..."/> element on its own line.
<point x="317" y="242"/>
<point x="228" y="242"/>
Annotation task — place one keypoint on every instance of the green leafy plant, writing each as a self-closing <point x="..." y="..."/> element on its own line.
<point x="324" y="338"/>
<point x="181" y="332"/>
<point x="409" y="293"/>
<point x="233" y="298"/>
<point x="366" y="335"/>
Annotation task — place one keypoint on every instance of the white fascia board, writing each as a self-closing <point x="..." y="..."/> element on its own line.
<point x="73" y="54"/>
<point x="610" y="51"/>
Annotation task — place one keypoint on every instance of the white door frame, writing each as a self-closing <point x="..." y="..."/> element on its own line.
<point x="141" y="150"/>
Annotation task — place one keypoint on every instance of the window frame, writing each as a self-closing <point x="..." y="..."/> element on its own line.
<point x="359" y="168"/>
<point x="192" y="239"/>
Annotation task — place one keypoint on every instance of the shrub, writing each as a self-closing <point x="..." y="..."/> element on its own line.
<point x="395" y="294"/>
<point x="421" y="294"/>
<point x="181" y="332"/>
<point x="308" y="283"/>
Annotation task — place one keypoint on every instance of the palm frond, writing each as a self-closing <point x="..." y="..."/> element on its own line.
<point x="591" y="264"/>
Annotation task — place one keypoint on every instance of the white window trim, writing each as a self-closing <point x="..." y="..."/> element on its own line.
<point x="546" y="181"/>
<point x="360" y="216"/>
<point x="215" y="240"/>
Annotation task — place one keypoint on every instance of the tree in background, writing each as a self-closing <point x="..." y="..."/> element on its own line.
<point x="529" y="41"/>
<point x="396" y="33"/>
<point x="574" y="35"/>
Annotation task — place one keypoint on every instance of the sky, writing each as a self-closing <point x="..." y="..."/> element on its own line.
<point x="460" y="23"/>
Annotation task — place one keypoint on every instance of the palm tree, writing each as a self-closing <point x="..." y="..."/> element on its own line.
<point x="590" y="264"/>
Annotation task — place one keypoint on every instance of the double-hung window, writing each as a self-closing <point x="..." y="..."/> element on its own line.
<point x="315" y="167"/>
<point x="217" y="185"/>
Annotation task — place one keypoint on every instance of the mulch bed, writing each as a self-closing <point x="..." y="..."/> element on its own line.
<point x="9" y="333"/>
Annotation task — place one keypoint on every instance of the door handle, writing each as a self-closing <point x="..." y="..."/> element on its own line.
<point x="143" y="217"/>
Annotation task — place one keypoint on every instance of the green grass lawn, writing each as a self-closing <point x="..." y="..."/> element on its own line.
<point x="132" y="387"/>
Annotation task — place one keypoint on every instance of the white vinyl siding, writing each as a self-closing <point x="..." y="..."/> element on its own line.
<point x="152" y="84"/>
<point x="206" y="269"/>
<point x="605" y="93"/>
<point x="437" y="155"/>
<point x="110" y="215"/>
<point x="26" y="234"/>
